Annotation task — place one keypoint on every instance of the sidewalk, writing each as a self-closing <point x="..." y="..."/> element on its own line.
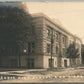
<point x="41" y="75"/>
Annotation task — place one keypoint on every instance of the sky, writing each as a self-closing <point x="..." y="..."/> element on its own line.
<point x="69" y="14"/>
<point x="41" y="0"/>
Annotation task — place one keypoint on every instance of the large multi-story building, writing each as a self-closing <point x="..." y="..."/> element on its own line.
<point x="82" y="53"/>
<point x="48" y="41"/>
<point x="51" y="41"/>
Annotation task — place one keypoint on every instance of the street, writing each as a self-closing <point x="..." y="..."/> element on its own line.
<point x="42" y="76"/>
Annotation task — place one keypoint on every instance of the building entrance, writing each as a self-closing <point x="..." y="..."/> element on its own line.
<point x="30" y="63"/>
<point x="51" y="62"/>
<point x="65" y="63"/>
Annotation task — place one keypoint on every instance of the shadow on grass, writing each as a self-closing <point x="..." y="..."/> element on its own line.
<point x="32" y="72"/>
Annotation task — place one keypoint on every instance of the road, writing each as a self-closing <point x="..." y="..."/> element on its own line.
<point x="42" y="76"/>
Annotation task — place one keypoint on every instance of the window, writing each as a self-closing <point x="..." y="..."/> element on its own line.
<point x="63" y="51"/>
<point x="63" y="39"/>
<point x="57" y="50"/>
<point x="48" y="33"/>
<point x="57" y="37"/>
<point x="31" y="47"/>
<point x="11" y="51"/>
<point x="48" y="48"/>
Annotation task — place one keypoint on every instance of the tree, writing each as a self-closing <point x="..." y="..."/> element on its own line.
<point x="72" y="53"/>
<point x="15" y="23"/>
<point x="15" y="28"/>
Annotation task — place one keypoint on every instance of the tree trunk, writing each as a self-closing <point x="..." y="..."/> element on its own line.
<point x="19" y="55"/>
<point x="19" y="59"/>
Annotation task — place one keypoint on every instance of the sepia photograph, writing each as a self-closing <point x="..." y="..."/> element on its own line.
<point x="41" y="42"/>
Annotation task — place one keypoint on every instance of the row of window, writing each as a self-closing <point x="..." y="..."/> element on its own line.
<point x="49" y="35"/>
<point x="31" y="48"/>
<point x="49" y="49"/>
<point x="56" y="36"/>
<point x="8" y="51"/>
<point x="14" y="51"/>
<point x="57" y="49"/>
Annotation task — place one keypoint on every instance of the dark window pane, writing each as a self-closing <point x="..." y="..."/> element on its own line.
<point x="48" y="48"/>
<point x="57" y="50"/>
<point x="31" y="47"/>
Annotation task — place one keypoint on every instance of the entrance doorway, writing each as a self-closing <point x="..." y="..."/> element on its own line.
<point x="51" y="62"/>
<point x="30" y="63"/>
<point x="65" y="63"/>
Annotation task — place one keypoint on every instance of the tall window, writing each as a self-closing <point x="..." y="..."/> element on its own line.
<point x="64" y="51"/>
<point x="48" y="33"/>
<point x="48" y="48"/>
<point x="63" y="39"/>
<point x="57" y="49"/>
<point x="57" y="36"/>
<point x="31" y="47"/>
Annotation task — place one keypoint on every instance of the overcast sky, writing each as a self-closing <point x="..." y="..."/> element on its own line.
<point x="70" y="14"/>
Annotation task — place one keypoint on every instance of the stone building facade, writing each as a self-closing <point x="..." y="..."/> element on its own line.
<point x="49" y="42"/>
<point x="82" y="53"/>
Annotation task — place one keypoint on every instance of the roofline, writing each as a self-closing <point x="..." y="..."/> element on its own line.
<point x="78" y="38"/>
<point x="49" y="19"/>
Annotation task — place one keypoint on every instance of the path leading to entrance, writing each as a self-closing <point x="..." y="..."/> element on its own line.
<point x="43" y="75"/>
